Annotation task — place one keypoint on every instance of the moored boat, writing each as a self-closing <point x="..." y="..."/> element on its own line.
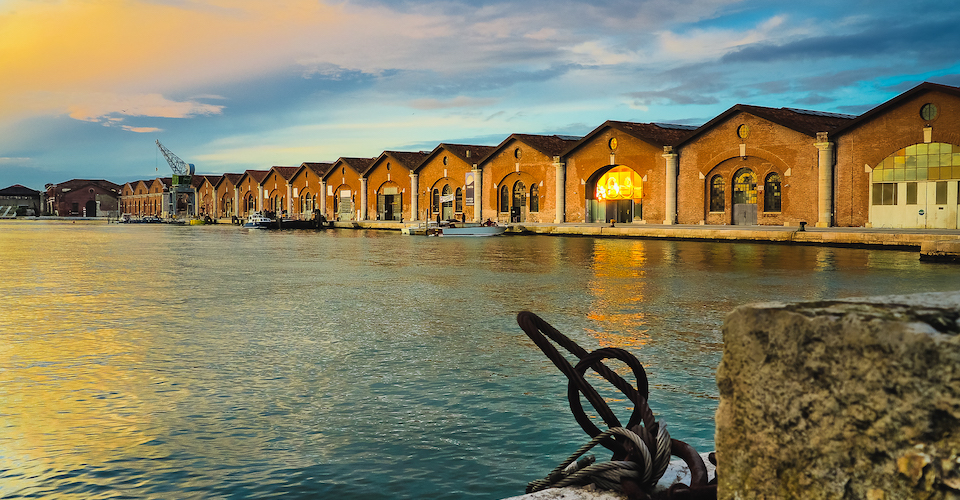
<point x="257" y="220"/>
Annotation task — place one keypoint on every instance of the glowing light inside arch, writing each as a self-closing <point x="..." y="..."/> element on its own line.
<point x="620" y="183"/>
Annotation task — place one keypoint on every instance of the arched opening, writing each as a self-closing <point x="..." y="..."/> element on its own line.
<point x="90" y="208"/>
<point x="534" y="198"/>
<point x="504" y="205"/>
<point x="614" y="193"/>
<point x="343" y="204"/>
<point x="745" y="198"/>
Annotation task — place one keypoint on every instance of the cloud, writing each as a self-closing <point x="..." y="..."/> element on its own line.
<point x="456" y="102"/>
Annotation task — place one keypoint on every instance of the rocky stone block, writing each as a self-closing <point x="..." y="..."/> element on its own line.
<point x="856" y="398"/>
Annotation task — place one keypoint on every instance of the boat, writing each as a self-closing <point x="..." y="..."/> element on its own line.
<point x="257" y="220"/>
<point x="455" y="229"/>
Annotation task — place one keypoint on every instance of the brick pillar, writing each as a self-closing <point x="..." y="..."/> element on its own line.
<point x="560" y="191"/>
<point x="363" y="198"/>
<point x="477" y="194"/>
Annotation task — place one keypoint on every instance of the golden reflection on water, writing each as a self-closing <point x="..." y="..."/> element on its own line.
<point x="619" y="280"/>
<point x="68" y="389"/>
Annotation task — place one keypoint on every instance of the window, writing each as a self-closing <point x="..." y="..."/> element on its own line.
<point x="928" y="111"/>
<point x="436" y="200"/>
<point x="534" y="198"/>
<point x="920" y="162"/>
<point x="504" y="198"/>
<point x="459" y="199"/>
<point x="911" y="193"/>
<point x="744" y="187"/>
<point x="716" y="194"/>
<point x="942" y="193"/>
<point x="447" y="191"/>
<point x="885" y="193"/>
<point x="771" y="193"/>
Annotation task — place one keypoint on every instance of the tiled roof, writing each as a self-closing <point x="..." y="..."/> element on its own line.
<point x="18" y="190"/>
<point x="896" y="101"/>
<point x="801" y="120"/>
<point x="320" y="169"/>
<point x="286" y="172"/>
<point x="657" y="134"/>
<point x="408" y="159"/>
<point x="360" y="165"/>
<point x="257" y="175"/>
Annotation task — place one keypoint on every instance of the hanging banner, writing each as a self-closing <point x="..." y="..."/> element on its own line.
<point x="448" y="198"/>
<point x="468" y="190"/>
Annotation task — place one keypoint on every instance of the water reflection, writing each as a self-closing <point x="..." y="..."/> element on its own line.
<point x="199" y="362"/>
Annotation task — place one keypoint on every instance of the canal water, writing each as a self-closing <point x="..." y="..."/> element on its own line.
<point x="154" y="361"/>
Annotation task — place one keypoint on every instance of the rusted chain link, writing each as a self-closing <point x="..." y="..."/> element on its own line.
<point x="641" y="449"/>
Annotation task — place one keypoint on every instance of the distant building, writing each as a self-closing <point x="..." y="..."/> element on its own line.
<point x="83" y="198"/>
<point x="19" y="200"/>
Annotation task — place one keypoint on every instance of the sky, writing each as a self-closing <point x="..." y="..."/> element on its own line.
<point x="88" y="86"/>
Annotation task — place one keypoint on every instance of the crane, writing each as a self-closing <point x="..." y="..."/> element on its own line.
<point x="182" y="171"/>
<point x="180" y="200"/>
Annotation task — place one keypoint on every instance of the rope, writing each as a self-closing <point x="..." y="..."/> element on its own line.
<point x="641" y="449"/>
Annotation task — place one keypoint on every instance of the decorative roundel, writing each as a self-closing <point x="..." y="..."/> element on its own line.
<point x="929" y="111"/>
<point x="743" y="131"/>
<point x="613" y="143"/>
<point x="444" y="160"/>
<point x="517" y="153"/>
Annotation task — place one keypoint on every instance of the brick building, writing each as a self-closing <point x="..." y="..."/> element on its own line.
<point x="307" y="184"/>
<point x="441" y="181"/>
<point x="83" y="198"/>
<point x="389" y="182"/>
<point x="345" y="194"/>
<point x="19" y="200"/>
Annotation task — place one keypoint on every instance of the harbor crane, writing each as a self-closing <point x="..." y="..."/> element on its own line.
<point x="180" y="200"/>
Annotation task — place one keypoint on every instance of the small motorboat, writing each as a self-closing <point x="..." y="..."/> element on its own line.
<point x="257" y="220"/>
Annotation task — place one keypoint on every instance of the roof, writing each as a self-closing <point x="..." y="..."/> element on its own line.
<point x="807" y="122"/>
<point x="286" y="172"/>
<point x="549" y="145"/>
<point x="657" y="134"/>
<point x="257" y="175"/>
<point x="78" y="183"/>
<point x="921" y="89"/>
<point x="198" y="180"/>
<point x="409" y="160"/>
<point x="359" y="165"/>
<point x="19" y="190"/>
<point x="320" y="169"/>
<point x="468" y="153"/>
<point x="231" y="178"/>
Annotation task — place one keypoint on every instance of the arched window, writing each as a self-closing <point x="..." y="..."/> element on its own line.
<point x="459" y="199"/>
<point x="504" y="198"/>
<point x="519" y="194"/>
<point x="447" y="191"/>
<point x="771" y="193"/>
<point x="534" y="198"/>
<point x="744" y="187"/>
<point x="436" y="200"/>
<point x="716" y="194"/>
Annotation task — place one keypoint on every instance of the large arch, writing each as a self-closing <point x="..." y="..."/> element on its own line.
<point x="746" y="190"/>
<point x="343" y="203"/>
<point x="614" y="193"/>
<point x="513" y="199"/>
<point x="917" y="187"/>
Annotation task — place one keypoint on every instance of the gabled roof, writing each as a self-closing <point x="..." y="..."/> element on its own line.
<point x="19" y="190"/>
<point x="656" y="134"/>
<point x="921" y="89"/>
<point x="197" y="180"/>
<point x="469" y="153"/>
<point x="231" y="178"/>
<point x="257" y="175"/>
<point x="320" y="169"/>
<point x="358" y="165"/>
<point x="79" y="183"/>
<point x="805" y="121"/>
<point x="286" y="172"/>
<point x="549" y="145"/>
<point x="409" y="160"/>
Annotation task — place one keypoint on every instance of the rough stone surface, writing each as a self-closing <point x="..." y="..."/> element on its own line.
<point x="856" y="398"/>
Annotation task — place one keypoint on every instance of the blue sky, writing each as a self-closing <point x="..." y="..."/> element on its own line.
<point x="87" y="86"/>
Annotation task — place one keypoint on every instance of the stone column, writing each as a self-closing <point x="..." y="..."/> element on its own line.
<point x="236" y="201"/>
<point x="414" y="196"/>
<point x="561" y="195"/>
<point x="671" y="184"/>
<point x="477" y="194"/>
<point x="323" y="198"/>
<point x="825" y="168"/>
<point x="363" y="198"/>
<point x="259" y="198"/>
<point x="289" y="199"/>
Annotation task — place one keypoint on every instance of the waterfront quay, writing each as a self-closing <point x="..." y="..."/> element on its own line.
<point x="889" y="238"/>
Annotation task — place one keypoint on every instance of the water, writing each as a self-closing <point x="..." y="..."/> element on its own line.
<point x="153" y="361"/>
